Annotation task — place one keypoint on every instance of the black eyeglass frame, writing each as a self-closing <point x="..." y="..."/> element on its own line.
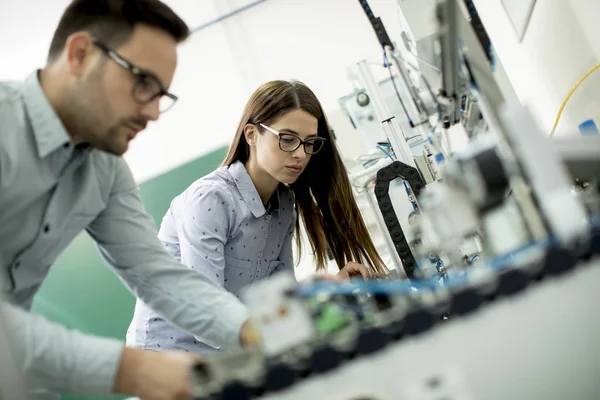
<point x="140" y="76"/>
<point x="300" y="141"/>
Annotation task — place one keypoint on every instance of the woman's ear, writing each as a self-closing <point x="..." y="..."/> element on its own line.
<point x="251" y="134"/>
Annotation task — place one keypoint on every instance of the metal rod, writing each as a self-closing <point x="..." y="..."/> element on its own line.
<point x="393" y="133"/>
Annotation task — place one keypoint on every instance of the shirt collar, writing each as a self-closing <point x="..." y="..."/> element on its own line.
<point x="48" y="130"/>
<point x="249" y="193"/>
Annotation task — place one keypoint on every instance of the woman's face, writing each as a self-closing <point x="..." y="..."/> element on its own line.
<point x="286" y="133"/>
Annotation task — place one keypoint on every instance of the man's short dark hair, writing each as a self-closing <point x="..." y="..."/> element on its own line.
<point x="112" y="21"/>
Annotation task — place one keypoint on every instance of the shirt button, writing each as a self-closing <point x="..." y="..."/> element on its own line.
<point x="46" y="228"/>
<point x="260" y="255"/>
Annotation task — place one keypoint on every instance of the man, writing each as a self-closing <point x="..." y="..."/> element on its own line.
<point x="62" y="134"/>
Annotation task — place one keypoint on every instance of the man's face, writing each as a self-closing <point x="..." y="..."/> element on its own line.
<point x="110" y="111"/>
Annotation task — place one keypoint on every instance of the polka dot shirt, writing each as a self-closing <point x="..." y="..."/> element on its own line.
<point x="220" y="227"/>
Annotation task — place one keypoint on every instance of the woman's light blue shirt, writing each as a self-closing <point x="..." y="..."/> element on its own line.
<point x="219" y="227"/>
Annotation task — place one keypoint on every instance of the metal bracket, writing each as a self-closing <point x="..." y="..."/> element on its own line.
<point x="385" y="175"/>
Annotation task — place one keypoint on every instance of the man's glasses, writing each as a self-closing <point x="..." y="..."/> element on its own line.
<point x="147" y="87"/>
<point x="290" y="143"/>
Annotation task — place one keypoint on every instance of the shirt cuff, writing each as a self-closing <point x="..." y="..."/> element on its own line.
<point x="98" y="369"/>
<point x="55" y="358"/>
<point x="231" y="321"/>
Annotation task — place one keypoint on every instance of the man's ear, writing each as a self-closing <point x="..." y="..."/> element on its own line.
<point x="80" y="51"/>
<point x="251" y="134"/>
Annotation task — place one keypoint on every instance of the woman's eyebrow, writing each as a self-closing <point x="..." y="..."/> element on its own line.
<point x="286" y="130"/>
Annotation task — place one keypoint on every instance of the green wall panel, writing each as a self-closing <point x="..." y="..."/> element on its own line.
<point x="81" y="292"/>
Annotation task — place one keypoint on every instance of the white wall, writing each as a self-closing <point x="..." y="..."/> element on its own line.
<point x="561" y="43"/>
<point x="25" y="35"/>
<point x="26" y="28"/>
<point x="588" y="12"/>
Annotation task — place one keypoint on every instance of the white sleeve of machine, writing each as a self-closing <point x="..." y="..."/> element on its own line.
<point x="53" y="357"/>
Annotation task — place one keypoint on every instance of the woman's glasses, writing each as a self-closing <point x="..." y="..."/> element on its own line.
<point x="290" y="143"/>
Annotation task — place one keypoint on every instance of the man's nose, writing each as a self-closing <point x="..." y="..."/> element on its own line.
<point x="151" y="111"/>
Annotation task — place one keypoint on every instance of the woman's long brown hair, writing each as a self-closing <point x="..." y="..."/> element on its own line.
<point x="324" y="198"/>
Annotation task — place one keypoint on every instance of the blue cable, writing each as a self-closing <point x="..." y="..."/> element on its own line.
<point x="385" y="152"/>
<point x="354" y="287"/>
<point x="408" y="193"/>
<point x="443" y="275"/>
<point x="357" y="286"/>
<point x="438" y="265"/>
<point x="385" y="59"/>
<point x="406" y="187"/>
<point x="492" y="58"/>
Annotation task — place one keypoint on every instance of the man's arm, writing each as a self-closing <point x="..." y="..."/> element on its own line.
<point x="55" y="358"/>
<point x="51" y="357"/>
<point x="127" y="238"/>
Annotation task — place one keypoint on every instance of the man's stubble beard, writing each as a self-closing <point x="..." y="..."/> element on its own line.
<point x="83" y="111"/>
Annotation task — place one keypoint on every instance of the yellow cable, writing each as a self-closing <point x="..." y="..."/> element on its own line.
<point x="562" y="107"/>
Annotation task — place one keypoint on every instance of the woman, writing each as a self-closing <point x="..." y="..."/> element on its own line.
<point x="236" y="224"/>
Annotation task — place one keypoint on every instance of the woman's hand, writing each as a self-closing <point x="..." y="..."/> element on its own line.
<point x="351" y="270"/>
<point x="354" y="270"/>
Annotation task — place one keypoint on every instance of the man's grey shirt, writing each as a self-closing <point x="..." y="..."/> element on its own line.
<point x="50" y="191"/>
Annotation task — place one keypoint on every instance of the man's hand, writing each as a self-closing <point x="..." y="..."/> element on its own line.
<point x="154" y="375"/>
<point x="354" y="270"/>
